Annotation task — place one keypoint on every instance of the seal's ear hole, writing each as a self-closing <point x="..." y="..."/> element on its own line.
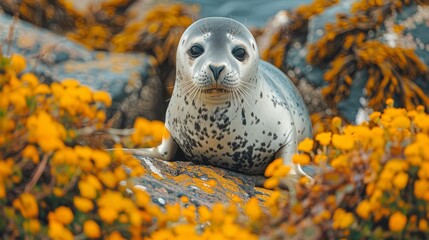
<point x="183" y="42"/>
<point x="253" y="46"/>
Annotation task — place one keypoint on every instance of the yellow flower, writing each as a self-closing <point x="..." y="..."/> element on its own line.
<point x="343" y="142"/>
<point x="342" y="219"/>
<point x="269" y="171"/>
<point x="252" y="209"/>
<point x="6" y="168"/>
<point x="18" y="62"/>
<point x="115" y="236"/>
<point x="104" y="97"/>
<point x="401" y="122"/>
<point x="423" y="225"/>
<point x="101" y="158"/>
<point x="26" y="203"/>
<point x="340" y="162"/>
<point x="30" y="79"/>
<point x="282" y="171"/>
<point x="422" y="121"/>
<point x="83" y="204"/>
<point x="2" y="189"/>
<point x="302" y="159"/>
<point x="70" y="83"/>
<point x="84" y="94"/>
<point x="397" y="222"/>
<point x="58" y="231"/>
<point x="173" y="212"/>
<point x="87" y="190"/>
<point x="306" y="145"/>
<point x="271" y="183"/>
<point x="420" y="188"/>
<point x="30" y="152"/>
<point x="319" y="158"/>
<point x="91" y="229"/>
<point x="364" y="209"/>
<point x="33" y="226"/>
<point x="63" y="215"/>
<point x="400" y="181"/>
<point x="389" y="102"/>
<point x="324" y="138"/>
<point x="108" y="178"/>
<point x="46" y="131"/>
<point x="42" y="89"/>
<point x="108" y="214"/>
<point x="375" y="117"/>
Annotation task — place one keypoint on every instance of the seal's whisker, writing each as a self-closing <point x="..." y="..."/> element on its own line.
<point x="189" y="88"/>
<point x="248" y="84"/>
<point x="246" y="87"/>
<point x="246" y="97"/>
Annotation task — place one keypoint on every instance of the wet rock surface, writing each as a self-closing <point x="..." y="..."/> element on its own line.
<point x="202" y="184"/>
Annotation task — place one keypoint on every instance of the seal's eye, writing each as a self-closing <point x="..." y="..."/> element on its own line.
<point x="195" y="51"/>
<point x="239" y="53"/>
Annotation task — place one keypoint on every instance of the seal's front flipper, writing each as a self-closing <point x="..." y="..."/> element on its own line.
<point x="165" y="151"/>
<point x="286" y="152"/>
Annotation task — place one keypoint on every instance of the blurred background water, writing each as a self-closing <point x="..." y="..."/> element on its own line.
<point x="253" y="13"/>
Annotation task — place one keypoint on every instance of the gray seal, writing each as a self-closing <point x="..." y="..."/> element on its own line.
<point x="229" y="108"/>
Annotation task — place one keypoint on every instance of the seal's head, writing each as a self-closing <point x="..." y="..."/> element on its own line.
<point x="216" y="56"/>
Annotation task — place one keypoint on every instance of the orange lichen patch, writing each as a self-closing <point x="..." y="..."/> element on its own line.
<point x="274" y="52"/>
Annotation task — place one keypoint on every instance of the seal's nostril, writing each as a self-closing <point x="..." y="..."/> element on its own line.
<point x="216" y="70"/>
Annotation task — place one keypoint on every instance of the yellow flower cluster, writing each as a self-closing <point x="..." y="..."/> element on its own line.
<point x="148" y="133"/>
<point x="66" y="185"/>
<point x="372" y="179"/>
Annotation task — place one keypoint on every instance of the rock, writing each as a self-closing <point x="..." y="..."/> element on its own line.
<point x="202" y="184"/>
<point x="130" y="78"/>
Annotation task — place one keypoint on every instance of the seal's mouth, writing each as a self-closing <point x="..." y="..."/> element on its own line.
<point x="215" y="91"/>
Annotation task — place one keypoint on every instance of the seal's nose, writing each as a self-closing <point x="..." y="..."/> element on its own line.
<point x="216" y="70"/>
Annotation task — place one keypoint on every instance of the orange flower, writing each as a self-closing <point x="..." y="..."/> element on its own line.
<point x="397" y="222"/>
<point x="104" y="97"/>
<point x="107" y="214"/>
<point x="324" y="138"/>
<point x="364" y="209"/>
<point x="33" y="226"/>
<point x="91" y="229"/>
<point x="30" y="152"/>
<point x="18" y="62"/>
<point x="253" y="210"/>
<point x="306" y="145"/>
<point x="342" y="219"/>
<point x="63" y="215"/>
<point x="83" y="204"/>
<point x="343" y="142"/>
<point x="271" y="183"/>
<point x="400" y="181"/>
<point x="26" y="203"/>
<point x="302" y="159"/>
